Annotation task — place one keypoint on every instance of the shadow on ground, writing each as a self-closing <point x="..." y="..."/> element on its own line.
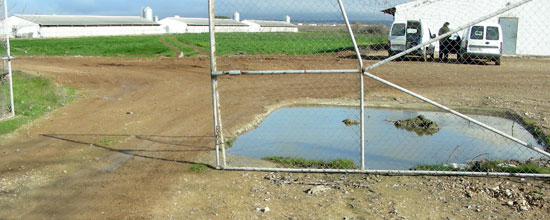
<point x="189" y="144"/>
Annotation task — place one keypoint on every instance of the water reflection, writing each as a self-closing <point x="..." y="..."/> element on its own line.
<point x="318" y="133"/>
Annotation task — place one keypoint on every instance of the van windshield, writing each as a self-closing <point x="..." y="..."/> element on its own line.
<point x="398" y="30"/>
<point x="492" y="33"/>
<point x="477" y="33"/>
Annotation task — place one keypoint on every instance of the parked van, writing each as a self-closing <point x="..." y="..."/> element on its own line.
<point x="406" y="34"/>
<point x="481" y="41"/>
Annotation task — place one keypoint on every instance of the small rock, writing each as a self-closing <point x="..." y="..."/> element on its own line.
<point x="317" y="189"/>
<point x="522" y="202"/>
<point x="523" y="208"/>
<point x="129" y="113"/>
<point x="264" y="210"/>
<point x="64" y="171"/>
<point x="510" y="203"/>
<point x="508" y="193"/>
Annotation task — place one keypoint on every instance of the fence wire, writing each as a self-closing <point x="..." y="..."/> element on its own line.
<point x="480" y="58"/>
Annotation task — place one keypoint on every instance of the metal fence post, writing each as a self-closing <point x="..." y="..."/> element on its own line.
<point x="213" y="78"/>
<point x="8" y="53"/>
<point x="362" y="86"/>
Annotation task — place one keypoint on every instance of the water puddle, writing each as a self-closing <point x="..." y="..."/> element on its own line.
<point x="319" y="133"/>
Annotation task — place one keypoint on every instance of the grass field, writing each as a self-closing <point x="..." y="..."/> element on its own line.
<point x="171" y="45"/>
<point x="280" y="43"/>
<point x="35" y="96"/>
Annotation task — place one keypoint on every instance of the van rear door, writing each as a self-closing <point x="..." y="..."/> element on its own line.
<point x="484" y="40"/>
<point x="396" y="39"/>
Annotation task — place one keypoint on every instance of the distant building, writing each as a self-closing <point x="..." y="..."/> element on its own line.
<point x="271" y="26"/>
<point x="54" y="26"/>
<point x="177" y="25"/>
<point x="524" y="28"/>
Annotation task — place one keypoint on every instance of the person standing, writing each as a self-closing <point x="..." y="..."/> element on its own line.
<point x="444" y="43"/>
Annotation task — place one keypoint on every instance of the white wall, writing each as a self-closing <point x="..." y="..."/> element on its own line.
<point x="18" y="27"/>
<point x="53" y="32"/>
<point x="533" y="18"/>
<point x="171" y="26"/>
<point x="279" y="29"/>
<point x="178" y="27"/>
<point x="252" y="27"/>
<point x="219" y="29"/>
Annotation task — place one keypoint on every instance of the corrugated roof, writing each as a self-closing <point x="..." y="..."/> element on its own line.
<point x="204" y="22"/>
<point x="264" y="23"/>
<point x="78" y="20"/>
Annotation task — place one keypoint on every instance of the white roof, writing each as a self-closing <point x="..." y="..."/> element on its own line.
<point x="204" y="21"/>
<point x="264" y="23"/>
<point x="86" y="20"/>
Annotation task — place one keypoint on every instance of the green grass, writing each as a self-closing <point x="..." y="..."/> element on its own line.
<point x="320" y="164"/>
<point x="226" y="44"/>
<point x="530" y="125"/>
<point x="229" y="143"/>
<point x="34" y="97"/>
<point x="186" y="50"/>
<point x="117" y="46"/>
<point x="491" y="166"/>
<point x="279" y="43"/>
<point x="105" y="141"/>
<point x="198" y="168"/>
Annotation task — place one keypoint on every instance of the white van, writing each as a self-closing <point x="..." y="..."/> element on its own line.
<point x="481" y="41"/>
<point x="406" y="34"/>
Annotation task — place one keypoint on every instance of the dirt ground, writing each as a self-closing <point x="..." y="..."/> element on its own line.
<point x="124" y="148"/>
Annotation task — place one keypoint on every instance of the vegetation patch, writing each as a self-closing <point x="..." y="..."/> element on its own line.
<point x="350" y="122"/>
<point x="507" y="166"/>
<point x="420" y="125"/>
<point x="34" y="97"/>
<point x="229" y="143"/>
<point x="113" y="46"/>
<point x="301" y="43"/>
<point x="318" y="164"/>
<point x="535" y="130"/>
<point x="198" y="168"/>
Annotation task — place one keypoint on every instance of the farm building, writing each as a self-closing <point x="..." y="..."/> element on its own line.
<point x="271" y="26"/>
<point x="523" y="27"/>
<point x="52" y="26"/>
<point x="177" y="25"/>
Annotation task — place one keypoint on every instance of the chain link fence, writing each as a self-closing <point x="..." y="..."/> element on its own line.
<point x="425" y="98"/>
<point x="6" y="87"/>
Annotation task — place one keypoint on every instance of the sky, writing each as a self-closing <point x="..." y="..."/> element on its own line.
<point x="250" y="9"/>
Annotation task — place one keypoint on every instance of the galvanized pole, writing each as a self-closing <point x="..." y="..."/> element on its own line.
<point x="362" y="86"/>
<point x="213" y="78"/>
<point x="8" y="53"/>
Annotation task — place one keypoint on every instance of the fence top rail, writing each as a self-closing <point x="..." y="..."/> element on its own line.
<point x="272" y="72"/>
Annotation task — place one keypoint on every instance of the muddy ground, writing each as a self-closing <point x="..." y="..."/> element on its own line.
<point x="124" y="148"/>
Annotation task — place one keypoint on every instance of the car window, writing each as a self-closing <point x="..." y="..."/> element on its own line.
<point x="398" y="30"/>
<point x="477" y="33"/>
<point x="492" y="33"/>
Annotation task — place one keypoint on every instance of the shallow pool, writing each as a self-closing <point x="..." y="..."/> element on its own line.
<point x="318" y="133"/>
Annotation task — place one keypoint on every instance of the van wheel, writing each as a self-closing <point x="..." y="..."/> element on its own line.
<point x="497" y="61"/>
